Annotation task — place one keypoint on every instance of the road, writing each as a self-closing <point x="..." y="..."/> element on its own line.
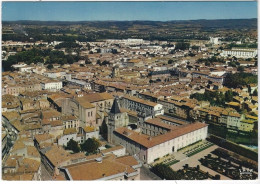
<point x="146" y="174"/>
<point x="45" y="176"/>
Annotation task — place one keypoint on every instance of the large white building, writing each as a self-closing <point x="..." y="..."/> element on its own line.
<point x="240" y="52"/>
<point x="51" y="85"/>
<point x="214" y="40"/>
<point x="149" y="148"/>
<point x="140" y="105"/>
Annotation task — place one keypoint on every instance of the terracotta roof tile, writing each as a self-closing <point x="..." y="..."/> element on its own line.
<point x="148" y="142"/>
<point x="57" y="155"/>
<point x="83" y="101"/>
<point x="56" y="123"/>
<point x="43" y="137"/>
<point x="18" y="177"/>
<point x="106" y="168"/>
<point x="139" y="100"/>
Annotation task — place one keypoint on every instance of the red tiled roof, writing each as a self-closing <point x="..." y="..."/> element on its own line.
<point x="149" y="142"/>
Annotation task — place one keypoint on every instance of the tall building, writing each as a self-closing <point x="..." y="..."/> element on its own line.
<point x="115" y="72"/>
<point x="214" y="40"/>
<point x="116" y="119"/>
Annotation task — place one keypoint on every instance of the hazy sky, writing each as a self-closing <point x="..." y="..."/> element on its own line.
<point x="162" y="11"/>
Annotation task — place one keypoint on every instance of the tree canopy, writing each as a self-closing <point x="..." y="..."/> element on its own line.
<point x="215" y="98"/>
<point x="90" y="145"/>
<point x="209" y="61"/>
<point x="73" y="145"/>
<point x="182" y="46"/>
<point x="36" y="55"/>
<point x="67" y="44"/>
<point x="239" y="79"/>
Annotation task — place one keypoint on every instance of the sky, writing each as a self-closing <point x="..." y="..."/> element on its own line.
<point x="157" y="11"/>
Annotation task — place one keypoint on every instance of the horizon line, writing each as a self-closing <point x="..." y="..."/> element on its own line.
<point x="124" y="20"/>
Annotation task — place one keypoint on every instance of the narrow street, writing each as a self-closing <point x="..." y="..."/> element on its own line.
<point x="45" y="176"/>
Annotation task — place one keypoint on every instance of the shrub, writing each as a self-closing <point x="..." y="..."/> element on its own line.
<point x="108" y="146"/>
<point x="156" y="159"/>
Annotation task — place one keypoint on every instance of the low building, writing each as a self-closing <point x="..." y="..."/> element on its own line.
<point x="70" y="122"/>
<point x="80" y="135"/>
<point x="55" y="157"/>
<point x="240" y="52"/>
<point x="51" y="85"/>
<point x="248" y="123"/>
<point x="106" y="168"/>
<point x="81" y="109"/>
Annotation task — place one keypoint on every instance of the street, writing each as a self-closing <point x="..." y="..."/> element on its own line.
<point x="146" y="174"/>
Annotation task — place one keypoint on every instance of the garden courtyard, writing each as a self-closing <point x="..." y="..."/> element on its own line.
<point x="193" y="161"/>
<point x="204" y="160"/>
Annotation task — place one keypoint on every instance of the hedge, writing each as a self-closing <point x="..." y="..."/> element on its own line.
<point x="172" y="162"/>
<point x="199" y="150"/>
<point x="233" y="147"/>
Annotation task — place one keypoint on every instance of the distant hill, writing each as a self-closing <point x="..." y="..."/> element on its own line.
<point x="230" y="29"/>
<point x="219" y="23"/>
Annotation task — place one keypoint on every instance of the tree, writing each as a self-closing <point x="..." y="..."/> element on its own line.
<point x="182" y="46"/>
<point x="228" y="96"/>
<point x="241" y="69"/>
<point x="98" y="50"/>
<point x="170" y="61"/>
<point x="249" y="89"/>
<point x="90" y="145"/>
<point x="98" y="62"/>
<point x="67" y="44"/>
<point x="105" y="62"/>
<point x="50" y="66"/>
<point x="88" y="46"/>
<point x="165" y="172"/>
<point x="255" y="93"/>
<point x="87" y="61"/>
<point x="239" y="79"/>
<point x="207" y="63"/>
<point x="232" y="63"/>
<point x="70" y="59"/>
<point x="103" y="130"/>
<point x="114" y="51"/>
<point x="195" y="47"/>
<point x="73" y="145"/>
<point x="7" y="65"/>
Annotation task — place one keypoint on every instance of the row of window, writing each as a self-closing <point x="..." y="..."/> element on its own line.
<point x="90" y="114"/>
